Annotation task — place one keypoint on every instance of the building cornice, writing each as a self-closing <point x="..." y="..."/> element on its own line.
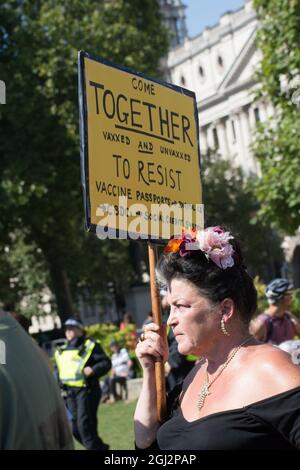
<point x="185" y="52"/>
<point x="241" y="60"/>
<point x="223" y="95"/>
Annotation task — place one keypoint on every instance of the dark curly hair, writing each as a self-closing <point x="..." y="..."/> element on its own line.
<point x="213" y="282"/>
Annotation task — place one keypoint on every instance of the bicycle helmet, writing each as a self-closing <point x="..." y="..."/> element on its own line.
<point x="277" y="288"/>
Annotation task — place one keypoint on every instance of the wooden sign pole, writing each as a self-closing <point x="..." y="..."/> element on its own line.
<point x="157" y="317"/>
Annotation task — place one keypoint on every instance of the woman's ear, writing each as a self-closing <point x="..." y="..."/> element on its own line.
<point x="227" y="308"/>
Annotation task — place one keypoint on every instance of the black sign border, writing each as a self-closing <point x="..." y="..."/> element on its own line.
<point x="83" y="132"/>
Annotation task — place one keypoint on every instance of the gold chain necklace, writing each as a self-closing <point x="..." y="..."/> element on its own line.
<point x="205" y="389"/>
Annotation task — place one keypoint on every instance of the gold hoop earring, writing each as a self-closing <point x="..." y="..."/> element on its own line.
<point x="224" y="331"/>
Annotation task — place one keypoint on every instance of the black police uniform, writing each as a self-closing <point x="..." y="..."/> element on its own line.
<point x="82" y="402"/>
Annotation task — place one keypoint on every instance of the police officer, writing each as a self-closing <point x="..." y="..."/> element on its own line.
<point x="79" y="365"/>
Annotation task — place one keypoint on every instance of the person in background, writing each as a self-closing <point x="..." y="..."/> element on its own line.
<point x="128" y="325"/>
<point x="25" y="324"/>
<point x="149" y="318"/>
<point x="292" y="347"/>
<point x="276" y="324"/>
<point x="33" y="415"/>
<point x="120" y="372"/>
<point x="79" y="365"/>
<point x="126" y="321"/>
<point x="241" y="394"/>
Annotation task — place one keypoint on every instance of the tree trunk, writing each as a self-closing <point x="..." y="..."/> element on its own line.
<point x="136" y="256"/>
<point x="61" y="289"/>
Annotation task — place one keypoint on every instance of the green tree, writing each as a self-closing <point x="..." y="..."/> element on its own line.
<point x="40" y="185"/>
<point x="24" y="279"/>
<point x="277" y="145"/>
<point x="229" y="201"/>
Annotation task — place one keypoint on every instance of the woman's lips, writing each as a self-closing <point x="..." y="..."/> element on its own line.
<point x="177" y="334"/>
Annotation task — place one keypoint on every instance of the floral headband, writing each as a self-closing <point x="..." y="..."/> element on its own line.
<point x="212" y="241"/>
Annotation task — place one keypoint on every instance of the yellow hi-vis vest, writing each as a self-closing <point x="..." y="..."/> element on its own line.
<point x="70" y="364"/>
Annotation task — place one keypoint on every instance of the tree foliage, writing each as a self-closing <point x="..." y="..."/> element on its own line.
<point x="23" y="276"/>
<point x="229" y="201"/>
<point x="40" y="186"/>
<point x="277" y="145"/>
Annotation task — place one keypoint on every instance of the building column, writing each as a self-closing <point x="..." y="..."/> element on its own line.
<point x="240" y="145"/>
<point x="210" y="137"/>
<point x="203" y="140"/>
<point x="230" y="137"/>
<point x="263" y="111"/>
<point x="249" y="164"/>
<point x="270" y="110"/>
<point x="252" y="125"/>
<point x="222" y="137"/>
<point x="252" y="121"/>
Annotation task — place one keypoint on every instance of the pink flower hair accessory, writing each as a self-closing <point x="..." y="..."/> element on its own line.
<point x="214" y="242"/>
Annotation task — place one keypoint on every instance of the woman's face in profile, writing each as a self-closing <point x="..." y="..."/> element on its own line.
<point x="193" y="318"/>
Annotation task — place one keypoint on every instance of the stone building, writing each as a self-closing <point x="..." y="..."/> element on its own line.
<point x="219" y="66"/>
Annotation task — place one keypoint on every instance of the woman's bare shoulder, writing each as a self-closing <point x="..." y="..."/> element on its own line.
<point x="273" y="368"/>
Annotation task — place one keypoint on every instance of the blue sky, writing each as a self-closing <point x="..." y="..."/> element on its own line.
<point x="201" y="13"/>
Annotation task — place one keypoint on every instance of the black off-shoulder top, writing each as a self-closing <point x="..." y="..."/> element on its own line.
<point x="269" y="424"/>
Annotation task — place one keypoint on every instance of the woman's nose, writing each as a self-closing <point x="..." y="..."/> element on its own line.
<point x="172" y="317"/>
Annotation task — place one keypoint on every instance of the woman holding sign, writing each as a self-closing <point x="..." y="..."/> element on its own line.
<point x="248" y="390"/>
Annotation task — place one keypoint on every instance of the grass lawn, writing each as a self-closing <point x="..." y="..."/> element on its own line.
<point x="115" y="425"/>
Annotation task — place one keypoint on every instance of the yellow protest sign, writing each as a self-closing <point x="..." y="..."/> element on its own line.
<point x="139" y="152"/>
